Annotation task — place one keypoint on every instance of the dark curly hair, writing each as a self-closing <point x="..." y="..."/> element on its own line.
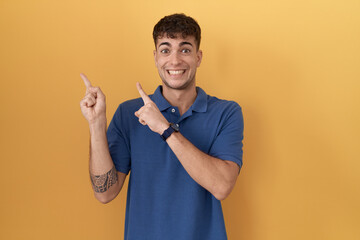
<point x="175" y="24"/>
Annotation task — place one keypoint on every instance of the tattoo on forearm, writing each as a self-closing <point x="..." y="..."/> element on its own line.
<point x="101" y="183"/>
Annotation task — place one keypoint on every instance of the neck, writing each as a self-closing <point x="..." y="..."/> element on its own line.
<point x="182" y="99"/>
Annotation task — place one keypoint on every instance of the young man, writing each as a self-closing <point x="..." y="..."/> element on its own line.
<point x="183" y="147"/>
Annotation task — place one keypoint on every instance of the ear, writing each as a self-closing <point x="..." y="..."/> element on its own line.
<point x="199" y="57"/>
<point x="155" y="57"/>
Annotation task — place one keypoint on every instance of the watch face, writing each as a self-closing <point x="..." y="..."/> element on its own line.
<point x="175" y="127"/>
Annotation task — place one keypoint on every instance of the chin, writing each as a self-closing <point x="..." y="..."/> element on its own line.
<point x="178" y="86"/>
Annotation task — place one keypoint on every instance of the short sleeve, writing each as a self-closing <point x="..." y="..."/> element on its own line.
<point x="118" y="144"/>
<point x="228" y="143"/>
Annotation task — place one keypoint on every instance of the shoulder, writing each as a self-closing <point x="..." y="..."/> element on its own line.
<point x="124" y="117"/>
<point x="131" y="105"/>
<point x="224" y="111"/>
<point x="227" y="113"/>
<point x="125" y="111"/>
<point x="222" y="105"/>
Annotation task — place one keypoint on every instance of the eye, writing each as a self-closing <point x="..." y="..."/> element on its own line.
<point x="165" y="50"/>
<point x="185" y="50"/>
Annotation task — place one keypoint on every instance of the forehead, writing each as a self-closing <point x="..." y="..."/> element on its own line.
<point x="175" y="41"/>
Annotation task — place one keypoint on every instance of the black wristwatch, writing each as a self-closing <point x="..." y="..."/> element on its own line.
<point x="172" y="128"/>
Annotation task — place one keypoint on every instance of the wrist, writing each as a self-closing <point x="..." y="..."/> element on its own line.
<point x="173" y="128"/>
<point x="98" y="125"/>
<point x="163" y="128"/>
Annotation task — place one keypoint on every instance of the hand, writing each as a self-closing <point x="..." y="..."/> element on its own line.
<point x="93" y="105"/>
<point x="150" y="115"/>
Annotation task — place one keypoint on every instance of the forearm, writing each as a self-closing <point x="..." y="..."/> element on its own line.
<point x="100" y="159"/>
<point x="215" y="175"/>
<point x="103" y="175"/>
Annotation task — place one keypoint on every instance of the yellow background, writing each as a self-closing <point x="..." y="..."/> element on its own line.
<point x="293" y="66"/>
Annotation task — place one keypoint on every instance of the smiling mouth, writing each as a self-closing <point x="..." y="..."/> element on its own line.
<point x="175" y="72"/>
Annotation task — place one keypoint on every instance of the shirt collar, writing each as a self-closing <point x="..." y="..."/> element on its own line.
<point x="200" y="104"/>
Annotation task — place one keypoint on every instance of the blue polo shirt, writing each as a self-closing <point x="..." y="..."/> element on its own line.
<point x="163" y="201"/>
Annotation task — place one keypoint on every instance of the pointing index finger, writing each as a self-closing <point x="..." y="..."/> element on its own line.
<point x="86" y="81"/>
<point x="143" y="95"/>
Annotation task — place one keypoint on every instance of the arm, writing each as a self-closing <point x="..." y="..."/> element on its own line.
<point x="106" y="181"/>
<point x="215" y="175"/>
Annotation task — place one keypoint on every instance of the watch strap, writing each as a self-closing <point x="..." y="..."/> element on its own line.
<point x="167" y="133"/>
<point x="172" y="128"/>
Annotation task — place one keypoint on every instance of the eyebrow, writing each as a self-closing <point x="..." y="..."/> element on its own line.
<point x="165" y="43"/>
<point x="169" y="45"/>
<point x="185" y="43"/>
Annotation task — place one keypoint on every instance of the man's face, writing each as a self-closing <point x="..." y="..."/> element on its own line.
<point x="177" y="60"/>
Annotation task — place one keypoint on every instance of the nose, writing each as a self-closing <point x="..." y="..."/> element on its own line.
<point x="175" y="58"/>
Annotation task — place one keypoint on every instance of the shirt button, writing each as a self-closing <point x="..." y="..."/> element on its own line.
<point x="173" y="110"/>
<point x="177" y="125"/>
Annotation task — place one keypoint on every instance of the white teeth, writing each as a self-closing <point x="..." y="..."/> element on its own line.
<point x="176" y="72"/>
